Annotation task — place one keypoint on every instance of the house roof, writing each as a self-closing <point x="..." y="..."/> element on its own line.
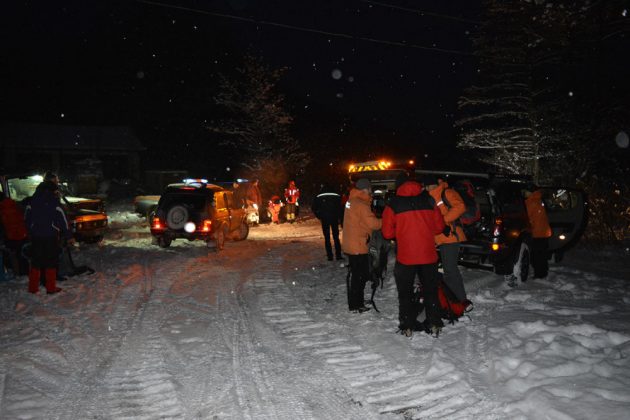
<point x="69" y="137"/>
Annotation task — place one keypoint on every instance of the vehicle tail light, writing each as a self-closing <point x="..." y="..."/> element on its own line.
<point x="206" y="225"/>
<point x="495" y="247"/>
<point x="156" y="223"/>
<point x="498" y="227"/>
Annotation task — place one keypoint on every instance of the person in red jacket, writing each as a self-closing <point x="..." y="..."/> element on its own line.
<point x="292" y="195"/>
<point x="413" y="219"/>
<point x="14" y="228"/>
<point x="541" y="232"/>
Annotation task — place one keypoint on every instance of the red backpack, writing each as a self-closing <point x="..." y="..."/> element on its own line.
<point x="466" y="190"/>
<point x="450" y="308"/>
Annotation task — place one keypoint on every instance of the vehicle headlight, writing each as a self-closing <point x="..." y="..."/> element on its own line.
<point x="190" y="227"/>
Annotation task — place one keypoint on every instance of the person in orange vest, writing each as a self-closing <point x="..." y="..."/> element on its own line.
<point x="274" y="206"/>
<point x="541" y="232"/>
<point x="292" y="195"/>
<point x="451" y="206"/>
<point x="14" y="229"/>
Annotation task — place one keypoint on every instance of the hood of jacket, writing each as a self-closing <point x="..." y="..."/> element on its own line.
<point x="356" y="194"/>
<point x="409" y="189"/>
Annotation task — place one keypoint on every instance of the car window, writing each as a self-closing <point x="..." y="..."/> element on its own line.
<point x="21" y="188"/>
<point x="559" y="199"/>
<point x="220" y="200"/>
<point x="195" y="201"/>
<point x="510" y="198"/>
<point x="229" y="200"/>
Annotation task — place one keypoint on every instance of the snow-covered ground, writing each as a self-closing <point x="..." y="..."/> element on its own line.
<point x="261" y="331"/>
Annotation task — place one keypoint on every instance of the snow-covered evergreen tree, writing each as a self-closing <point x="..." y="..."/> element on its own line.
<point x="496" y="113"/>
<point x="254" y="121"/>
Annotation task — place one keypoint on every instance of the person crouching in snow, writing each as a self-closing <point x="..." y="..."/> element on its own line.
<point x="274" y="206"/>
<point x="292" y="195"/>
<point x="47" y="224"/>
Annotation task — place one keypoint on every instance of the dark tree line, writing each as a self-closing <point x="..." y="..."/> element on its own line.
<point x="552" y="93"/>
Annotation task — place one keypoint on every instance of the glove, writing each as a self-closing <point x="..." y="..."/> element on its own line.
<point x="447" y="230"/>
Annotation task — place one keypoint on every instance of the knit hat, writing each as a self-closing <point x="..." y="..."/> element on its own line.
<point x="364" y="184"/>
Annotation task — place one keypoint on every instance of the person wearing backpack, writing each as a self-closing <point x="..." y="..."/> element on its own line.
<point x="412" y="219"/>
<point x="359" y="225"/>
<point x="451" y="207"/>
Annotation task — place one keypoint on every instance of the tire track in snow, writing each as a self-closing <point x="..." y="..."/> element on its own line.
<point x="139" y="383"/>
<point x="360" y="368"/>
<point x="412" y="391"/>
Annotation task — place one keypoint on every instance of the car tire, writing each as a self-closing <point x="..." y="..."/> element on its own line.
<point x="177" y="216"/>
<point x="164" y="242"/>
<point x="243" y="232"/>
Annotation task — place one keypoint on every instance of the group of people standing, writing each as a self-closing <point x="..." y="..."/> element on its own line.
<point x="250" y="198"/>
<point x="45" y="225"/>
<point x="424" y="219"/>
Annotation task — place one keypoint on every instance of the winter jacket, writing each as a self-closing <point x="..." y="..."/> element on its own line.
<point x="327" y="206"/>
<point x="537" y="215"/>
<point x="44" y="216"/>
<point x="451" y="215"/>
<point x="292" y="194"/>
<point x="413" y="219"/>
<point x="12" y="220"/>
<point x="358" y="223"/>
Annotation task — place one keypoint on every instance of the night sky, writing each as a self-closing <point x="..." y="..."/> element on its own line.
<point x="389" y="73"/>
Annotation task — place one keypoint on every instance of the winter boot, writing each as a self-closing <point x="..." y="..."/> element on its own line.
<point x="51" y="281"/>
<point x="33" y="280"/>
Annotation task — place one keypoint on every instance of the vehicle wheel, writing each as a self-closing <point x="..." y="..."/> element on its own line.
<point x="242" y="232"/>
<point x="521" y="264"/>
<point x="164" y="242"/>
<point x="177" y="216"/>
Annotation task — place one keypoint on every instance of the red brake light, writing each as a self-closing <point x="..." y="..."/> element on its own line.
<point x="498" y="227"/>
<point x="156" y="223"/>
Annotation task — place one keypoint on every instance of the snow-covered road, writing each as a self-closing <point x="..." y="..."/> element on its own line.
<point x="262" y="331"/>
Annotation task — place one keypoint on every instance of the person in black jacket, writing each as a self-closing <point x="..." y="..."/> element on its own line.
<point x="47" y="224"/>
<point x="327" y="208"/>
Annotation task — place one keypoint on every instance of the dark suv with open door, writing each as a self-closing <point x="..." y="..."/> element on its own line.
<point x="501" y="238"/>
<point x="196" y="209"/>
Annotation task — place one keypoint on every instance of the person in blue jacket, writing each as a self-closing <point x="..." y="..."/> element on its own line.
<point x="47" y="225"/>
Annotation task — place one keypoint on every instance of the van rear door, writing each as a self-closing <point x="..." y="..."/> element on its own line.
<point x="568" y="214"/>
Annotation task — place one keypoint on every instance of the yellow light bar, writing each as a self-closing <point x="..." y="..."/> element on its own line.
<point x="370" y="166"/>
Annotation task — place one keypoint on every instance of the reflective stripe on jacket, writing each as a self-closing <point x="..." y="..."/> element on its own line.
<point x="451" y="215"/>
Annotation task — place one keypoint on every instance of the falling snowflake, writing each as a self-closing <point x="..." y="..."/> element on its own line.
<point x="336" y="74"/>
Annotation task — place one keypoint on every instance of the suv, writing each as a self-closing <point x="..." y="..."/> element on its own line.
<point x="500" y="239"/>
<point x="198" y="210"/>
<point x="86" y="217"/>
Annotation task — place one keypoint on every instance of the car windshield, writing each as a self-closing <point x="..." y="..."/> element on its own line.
<point x="21" y="188"/>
